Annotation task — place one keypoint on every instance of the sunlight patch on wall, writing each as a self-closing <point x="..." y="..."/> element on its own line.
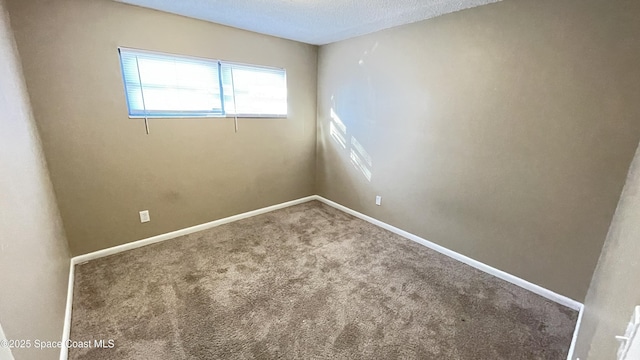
<point x="338" y="129"/>
<point x="358" y="155"/>
<point x="335" y="118"/>
<point x="337" y="135"/>
<point x="363" y="153"/>
<point x="360" y="158"/>
<point x="360" y="165"/>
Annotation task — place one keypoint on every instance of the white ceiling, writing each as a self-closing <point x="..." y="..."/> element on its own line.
<point x="315" y="22"/>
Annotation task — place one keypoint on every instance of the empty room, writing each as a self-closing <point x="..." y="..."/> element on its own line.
<point x="306" y="179"/>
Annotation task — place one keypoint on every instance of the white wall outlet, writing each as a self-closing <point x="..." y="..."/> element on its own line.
<point x="378" y="200"/>
<point x="144" y="216"/>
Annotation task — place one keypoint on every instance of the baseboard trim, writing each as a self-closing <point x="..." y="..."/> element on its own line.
<point x="186" y="231"/>
<point x="537" y="289"/>
<point x="574" y="340"/>
<point x="546" y="293"/>
<point x="66" y="329"/>
<point x="560" y="299"/>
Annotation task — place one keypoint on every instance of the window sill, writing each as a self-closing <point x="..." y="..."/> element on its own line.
<point x="212" y="116"/>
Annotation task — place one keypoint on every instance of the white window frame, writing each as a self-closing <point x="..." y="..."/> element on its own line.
<point x="220" y="64"/>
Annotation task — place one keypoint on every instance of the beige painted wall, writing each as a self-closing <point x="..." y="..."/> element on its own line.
<point x="614" y="292"/>
<point x="105" y="168"/>
<point x="502" y="132"/>
<point x="34" y="257"/>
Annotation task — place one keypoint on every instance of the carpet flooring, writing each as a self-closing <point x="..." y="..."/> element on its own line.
<point x="306" y="282"/>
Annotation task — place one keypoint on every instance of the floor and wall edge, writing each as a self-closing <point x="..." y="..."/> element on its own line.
<point x="574" y="339"/>
<point x="174" y="234"/>
<point x="546" y="293"/>
<point x="537" y="289"/>
<point x="66" y="329"/>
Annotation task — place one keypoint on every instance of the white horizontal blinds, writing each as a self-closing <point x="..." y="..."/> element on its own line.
<point x="258" y="91"/>
<point x="169" y="85"/>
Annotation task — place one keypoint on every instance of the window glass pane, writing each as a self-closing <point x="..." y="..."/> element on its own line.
<point x="168" y="85"/>
<point x="258" y="91"/>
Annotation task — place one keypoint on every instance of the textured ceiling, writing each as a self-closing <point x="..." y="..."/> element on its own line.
<point x="316" y="22"/>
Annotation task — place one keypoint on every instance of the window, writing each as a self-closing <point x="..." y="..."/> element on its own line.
<point x="250" y="90"/>
<point x="163" y="85"/>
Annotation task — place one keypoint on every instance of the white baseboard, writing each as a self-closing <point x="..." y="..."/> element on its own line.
<point x="537" y="289"/>
<point x="66" y="329"/>
<point x="572" y="349"/>
<point x="148" y="241"/>
<point x="174" y="234"/>
<point x="560" y="299"/>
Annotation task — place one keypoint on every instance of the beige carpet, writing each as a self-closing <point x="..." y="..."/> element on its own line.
<point x="306" y="282"/>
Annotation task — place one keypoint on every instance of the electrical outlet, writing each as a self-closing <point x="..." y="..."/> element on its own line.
<point x="144" y="216"/>
<point x="378" y="200"/>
